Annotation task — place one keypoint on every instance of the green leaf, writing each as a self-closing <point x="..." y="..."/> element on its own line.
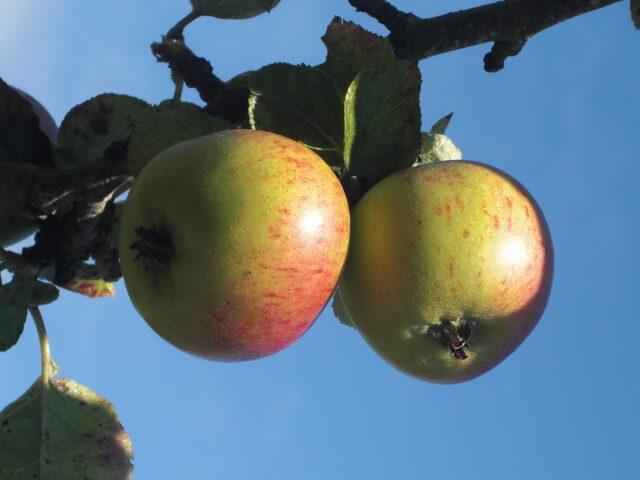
<point x="635" y="13"/>
<point x="350" y="48"/>
<point x="91" y="127"/>
<point x="21" y="139"/>
<point x="159" y="129"/>
<point x="12" y="320"/>
<point x="339" y="311"/>
<point x="233" y="9"/>
<point x="436" y="148"/>
<point x="299" y="102"/>
<point x="67" y="432"/>
<point x="382" y="120"/>
<point x="28" y="293"/>
<point x="441" y="125"/>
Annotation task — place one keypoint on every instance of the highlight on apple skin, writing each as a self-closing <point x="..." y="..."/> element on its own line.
<point x="232" y="244"/>
<point x="449" y="269"/>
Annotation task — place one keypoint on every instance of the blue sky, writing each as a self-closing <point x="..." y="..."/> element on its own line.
<point x="562" y="118"/>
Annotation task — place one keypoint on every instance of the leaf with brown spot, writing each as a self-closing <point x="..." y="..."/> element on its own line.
<point x="55" y="435"/>
<point x="350" y="48"/>
<point x="91" y="127"/>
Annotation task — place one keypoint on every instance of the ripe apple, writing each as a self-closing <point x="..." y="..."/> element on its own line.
<point x="14" y="229"/>
<point x="449" y="269"/>
<point x="231" y="244"/>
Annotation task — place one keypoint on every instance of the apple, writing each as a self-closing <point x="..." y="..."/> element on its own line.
<point x="45" y="120"/>
<point x="14" y="229"/>
<point x="449" y="269"/>
<point x="236" y="9"/>
<point x="231" y="244"/>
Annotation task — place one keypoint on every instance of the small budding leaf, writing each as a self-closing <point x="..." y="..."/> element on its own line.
<point x="441" y="125"/>
<point x="299" y="102"/>
<point x="382" y="120"/>
<point x="350" y="48"/>
<point x="635" y="13"/>
<point x="90" y="128"/>
<point x="12" y="321"/>
<point x="233" y="9"/>
<point x="21" y="139"/>
<point x="28" y="293"/>
<point x="158" y="129"/>
<point x="437" y="147"/>
<point x="66" y="431"/>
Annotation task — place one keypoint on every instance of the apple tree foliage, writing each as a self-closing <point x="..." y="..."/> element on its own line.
<point x="363" y="119"/>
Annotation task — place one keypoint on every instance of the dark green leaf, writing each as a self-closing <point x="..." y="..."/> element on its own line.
<point x="382" y="120"/>
<point x="21" y="138"/>
<point x="350" y="48"/>
<point x="299" y="102"/>
<point x="11" y="325"/>
<point x="28" y="293"/>
<point x="159" y="129"/>
<point x="441" y="125"/>
<point x="234" y="9"/>
<point x="67" y="432"/>
<point x="89" y="128"/>
<point x="635" y="13"/>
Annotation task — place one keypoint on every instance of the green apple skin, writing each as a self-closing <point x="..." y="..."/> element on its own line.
<point x="236" y="9"/>
<point x="15" y="229"/>
<point x="456" y="241"/>
<point x="259" y="226"/>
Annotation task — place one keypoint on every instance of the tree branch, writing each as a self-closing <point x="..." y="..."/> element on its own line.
<point x="226" y="101"/>
<point x="509" y="23"/>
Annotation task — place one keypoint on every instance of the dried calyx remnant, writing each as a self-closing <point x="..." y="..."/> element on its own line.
<point x="154" y="245"/>
<point x="455" y="334"/>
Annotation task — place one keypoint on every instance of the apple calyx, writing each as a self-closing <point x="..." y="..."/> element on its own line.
<point x="154" y="245"/>
<point x="454" y="334"/>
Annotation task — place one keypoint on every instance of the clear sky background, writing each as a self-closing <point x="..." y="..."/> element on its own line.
<point x="563" y="118"/>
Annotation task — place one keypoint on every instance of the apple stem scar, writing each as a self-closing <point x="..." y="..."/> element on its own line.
<point x="153" y="245"/>
<point x="454" y="334"/>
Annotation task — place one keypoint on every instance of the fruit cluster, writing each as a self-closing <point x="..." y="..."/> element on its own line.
<point x="232" y="244"/>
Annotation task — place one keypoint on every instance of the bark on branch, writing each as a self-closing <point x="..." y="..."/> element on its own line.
<point x="226" y="101"/>
<point x="509" y="24"/>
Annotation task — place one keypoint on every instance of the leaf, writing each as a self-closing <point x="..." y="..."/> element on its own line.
<point x="299" y="102"/>
<point x="91" y="288"/>
<point x="12" y="321"/>
<point x="67" y="432"/>
<point x="91" y="127"/>
<point x="28" y="293"/>
<point x="382" y="120"/>
<point x="234" y="9"/>
<point x="350" y="48"/>
<point x="21" y="139"/>
<point x="436" y="148"/>
<point x="635" y="13"/>
<point x="159" y="129"/>
<point x="441" y="125"/>
<point x="339" y="311"/>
